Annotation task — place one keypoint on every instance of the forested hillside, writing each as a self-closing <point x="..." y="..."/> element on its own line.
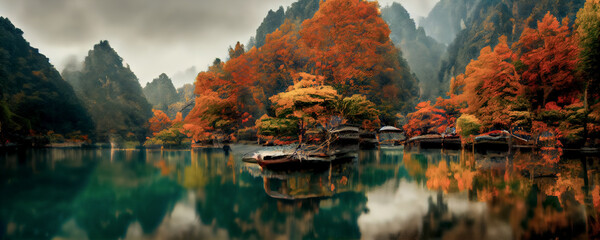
<point x="491" y="19"/>
<point x="34" y="99"/>
<point x="343" y="54"/>
<point x="112" y="94"/>
<point x="161" y="93"/>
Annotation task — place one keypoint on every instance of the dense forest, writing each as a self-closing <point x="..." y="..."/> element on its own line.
<point x="471" y="65"/>
<point x="486" y="21"/>
<point x="542" y="86"/>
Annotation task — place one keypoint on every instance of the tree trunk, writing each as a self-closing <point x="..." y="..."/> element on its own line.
<point x="586" y="108"/>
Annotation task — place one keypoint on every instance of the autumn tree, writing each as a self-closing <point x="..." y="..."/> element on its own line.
<point x="280" y="58"/>
<point x="215" y="110"/>
<point x="588" y="29"/>
<point x="349" y="45"/>
<point x="490" y="87"/>
<point x="425" y="120"/>
<point x="357" y="110"/>
<point x="159" y="121"/>
<point x="550" y="55"/>
<point x="467" y="125"/>
<point x="237" y="51"/>
<point x="166" y="131"/>
<point x="345" y="48"/>
<point x="225" y="98"/>
<point x="308" y="101"/>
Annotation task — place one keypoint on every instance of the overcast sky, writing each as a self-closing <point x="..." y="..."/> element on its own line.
<point x="152" y="36"/>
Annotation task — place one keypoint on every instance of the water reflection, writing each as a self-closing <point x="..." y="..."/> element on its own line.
<point x="208" y="194"/>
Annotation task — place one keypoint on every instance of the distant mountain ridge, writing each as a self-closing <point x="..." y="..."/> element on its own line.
<point x="161" y="93"/>
<point x="422" y="52"/>
<point x="112" y="94"/>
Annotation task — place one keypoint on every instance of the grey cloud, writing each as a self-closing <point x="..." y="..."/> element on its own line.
<point x="72" y="63"/>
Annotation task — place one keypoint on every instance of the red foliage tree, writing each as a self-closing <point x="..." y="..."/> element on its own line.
<point x="426" y="119"/>
<point x="550" y="54"/>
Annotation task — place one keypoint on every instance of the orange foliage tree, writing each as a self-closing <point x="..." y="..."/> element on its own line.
<point x="280" y="58"/>
<point x="217" y="109"/>
<point x="349" y="45"/>
<point x="166" y="131"/>
<point x="550" y="55"/>
<point x="490" y="88"/>
<point x="159" y="121"/>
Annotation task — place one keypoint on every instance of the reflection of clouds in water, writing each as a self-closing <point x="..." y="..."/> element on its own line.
<point x="70" y="230"/>
<point x="394" y="212"/>
<point x="459" y="204"/>
<point x="400" y="213"/>
<point x="181" y="223"/>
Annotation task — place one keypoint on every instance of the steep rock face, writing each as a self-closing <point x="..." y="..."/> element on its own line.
<point x="272" y="21"/>
<point x="422" y="52"/>
<point x="112" y="94"/>
<point x="493" y="18"/>
<point x="161" y="93"/>
<point x="448" y="18"/>
<point x="33" y="95"/>
<point x="298" y="11"/>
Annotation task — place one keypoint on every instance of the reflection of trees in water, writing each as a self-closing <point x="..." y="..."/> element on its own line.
<point x="375" y="168"/>
<point x="532" y="197"/>
<point x="121" y="192"/>
<point x="38" y="187"/>
<point x="230" y="197"/>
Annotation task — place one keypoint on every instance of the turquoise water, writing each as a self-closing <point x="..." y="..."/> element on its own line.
<point x="208" y="194"/>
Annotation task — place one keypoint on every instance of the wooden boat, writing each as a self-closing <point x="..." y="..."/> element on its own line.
<point x="341" y="144"/>
<point x="391" y="137"/>
<point x="301" y="160"/>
